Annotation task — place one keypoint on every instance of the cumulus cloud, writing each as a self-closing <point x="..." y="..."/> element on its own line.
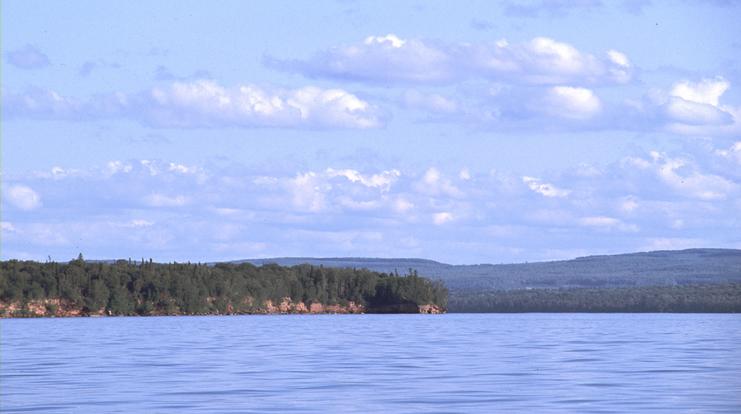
<point x="541" y="60"/>
<point x="206" y="104"/>
<point x="697" y="103"/>
<point x="688" y="181"/>
<point x="706" y="91"/>
<point x="23" y="197"/>
<point x="695" y="108"/>
<point x="434" y="183"/>
<point x="27" y="57"/>
<point x="114" y="167"/>
<point x="686" y="108"/>
<point x="685" y="178"/>
<point x="571" y="102"/>
<point x="383" y="180"/>
<point x="544" y="189"/>
<point x="308" y="191"/>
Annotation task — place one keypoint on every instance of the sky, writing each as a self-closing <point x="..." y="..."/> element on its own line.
<point x="464" y="132"/>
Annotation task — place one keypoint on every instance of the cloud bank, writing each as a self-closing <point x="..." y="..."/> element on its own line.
<point x="391" y="59"/>
<point x="205" y="104"/>
<point x="170" y="210"/>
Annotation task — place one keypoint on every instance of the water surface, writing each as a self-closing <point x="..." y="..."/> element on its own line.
<point x="456" y="363"/>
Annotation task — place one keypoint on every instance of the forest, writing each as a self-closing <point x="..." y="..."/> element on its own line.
<point x="126" y="287"/>
<point x="705" y="298"/>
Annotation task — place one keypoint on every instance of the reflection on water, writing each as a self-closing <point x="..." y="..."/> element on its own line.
<point x="455" y="363"/>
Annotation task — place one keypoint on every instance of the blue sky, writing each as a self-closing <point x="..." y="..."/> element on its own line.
<point x="463" y="132"/>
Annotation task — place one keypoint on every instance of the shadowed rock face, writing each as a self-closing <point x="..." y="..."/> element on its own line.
<point x="406" y="308"/>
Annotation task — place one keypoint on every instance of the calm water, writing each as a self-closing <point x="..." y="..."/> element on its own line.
<point x="454" y="363"/>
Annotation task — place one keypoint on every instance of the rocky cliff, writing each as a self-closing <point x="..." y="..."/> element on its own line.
<point x="62" y="308"/>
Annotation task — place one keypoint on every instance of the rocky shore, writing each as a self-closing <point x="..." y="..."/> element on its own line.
<point x="41" y="308"/>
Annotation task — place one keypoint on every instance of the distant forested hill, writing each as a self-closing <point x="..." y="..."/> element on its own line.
<point x="658" y="268"/>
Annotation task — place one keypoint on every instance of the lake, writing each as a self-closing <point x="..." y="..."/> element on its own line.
<point x="454" y="363"/>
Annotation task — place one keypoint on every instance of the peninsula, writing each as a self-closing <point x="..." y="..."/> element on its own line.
<point x="125" y="287"/>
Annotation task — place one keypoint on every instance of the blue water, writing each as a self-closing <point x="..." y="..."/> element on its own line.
<point x="456" y="363"/>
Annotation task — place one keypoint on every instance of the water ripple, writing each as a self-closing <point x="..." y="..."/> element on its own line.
<point x="373" y="363"/>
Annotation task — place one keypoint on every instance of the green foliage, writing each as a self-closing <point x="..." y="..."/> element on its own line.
<point x="693" y="298"/>
<point x="146" y="288"/>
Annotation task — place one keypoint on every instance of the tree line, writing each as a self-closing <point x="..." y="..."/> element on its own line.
<point x="126" y="287"/>
<point x="684" y="298"/>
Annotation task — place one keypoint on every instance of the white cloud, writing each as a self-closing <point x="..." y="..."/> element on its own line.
<point x="402" y="205"/>
<point x="733" y="153"/>
<point x="442" y="217"/>
<point x="150" y="166"/>
<point x="23" y="197"/>
<point x="377" y="211"/>
<point x="544" y="189"/>
<point x="433" y="183"/>
<point x="685" y="178"/>
<point x="206" y="104"/>
<point x="571" y="102"/>
<point x="693" y="113"/>
<point x="389" y="40"/>
<point x="629" y="204"/>
<point x="139" y="223"/>
<point x="308" y="191"/>
<point x="541" y="60"/>
<point x="383" y="181"/>
<point x="115" y="167"/>
<point x="694" y="108"/>
<point x="163" y="200"/>
<point x="618" y="58"/>
<point x="180" y="168"/>
<point x="621" y="70"/>
<point x="706" y="91"/>
<point x="694" y="183"/>
<point x="464" y="174"/>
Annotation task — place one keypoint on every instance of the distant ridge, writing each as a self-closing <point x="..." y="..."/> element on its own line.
<point x="652" y="268"/>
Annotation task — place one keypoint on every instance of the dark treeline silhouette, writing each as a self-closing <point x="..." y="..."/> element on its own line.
<point x="124" y="287"/>
<point x="695" y="298"/>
